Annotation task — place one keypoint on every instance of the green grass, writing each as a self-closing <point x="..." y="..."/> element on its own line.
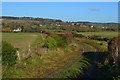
<point x="19" y="40"/>
<point x="23" y="68"/>
<point x="109" y="34"/>
<point x="82" y="64"/>
<point x="74" y="69"/>
<point x="52" y="61"/>
<point x="78" y="67"/>
<point x="22" y="40"/>
<point x="100" y="45"/>
<point x="87" y="47"/>
<point x="37" y="66"/>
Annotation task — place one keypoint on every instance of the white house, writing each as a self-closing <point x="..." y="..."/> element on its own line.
<point x="91" y="26"/>
<point x="103" y="27"/>
<point x="72" y="24"/>
<point x="18" y="29"/>
<point x="58" y="25"/>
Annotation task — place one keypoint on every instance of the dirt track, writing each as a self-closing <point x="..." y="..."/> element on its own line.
<point x="72" y="62"/>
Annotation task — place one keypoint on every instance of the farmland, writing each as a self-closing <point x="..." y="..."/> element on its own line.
<point x="19" y="40"/>
<point x="64" y="54"/>
<point x="44" y="65"/>
<point x="60" y="40"/>
<point x="108" y="34"/>
<point x="38" y="63"/>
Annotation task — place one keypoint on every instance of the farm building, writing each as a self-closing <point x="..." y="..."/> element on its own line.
<point x="18" y="29"/>
<point x="7" y="29"/>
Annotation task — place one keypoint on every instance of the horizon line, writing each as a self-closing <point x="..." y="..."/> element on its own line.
<point x="62" y="20"/>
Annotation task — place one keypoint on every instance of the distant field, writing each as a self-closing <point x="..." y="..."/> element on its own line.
<point x="21" y="40"/>
<point x="104" y="34"/>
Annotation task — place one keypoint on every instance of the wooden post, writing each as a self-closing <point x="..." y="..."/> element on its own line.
<point x="18" y="54"/>
<point x="23" y="55"/>
<point x="37" y="48"/>
<point x="29" y="50"/>
<point x="41" y="56"/>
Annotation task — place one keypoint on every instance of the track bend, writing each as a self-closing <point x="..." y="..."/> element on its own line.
<point x="84" y="49"/>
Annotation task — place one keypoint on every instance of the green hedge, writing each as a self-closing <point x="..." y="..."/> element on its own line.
<point x="53" y="41"/>
<point x="8" y="54"/>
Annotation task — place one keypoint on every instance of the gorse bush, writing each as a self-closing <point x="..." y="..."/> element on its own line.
<point x="53" y="41"/>
<point x="50" y="42"/>
<point x="61" y="41"/>
<point x="8" y="54"/>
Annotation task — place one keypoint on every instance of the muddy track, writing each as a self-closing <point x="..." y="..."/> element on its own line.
<point x="89" y="75"/>
<point x="52" y="75"/>
<point x="93" y="66"/>
<point x="65" y="67"/>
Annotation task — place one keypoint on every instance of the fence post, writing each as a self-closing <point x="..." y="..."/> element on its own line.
<point x="18" y="54"/>
<point x="29" y="50"/>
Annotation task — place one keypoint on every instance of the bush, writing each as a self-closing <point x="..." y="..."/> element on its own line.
<point x="61" y="41"/>
<point x="8" y="54"/>
<point x="53" y="41"/>
<point x="50" y="42"/>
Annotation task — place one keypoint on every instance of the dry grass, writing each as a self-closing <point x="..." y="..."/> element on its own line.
<point x="37" y="67"/>
<point x="22" y="41"/>
<point x="55" y="62"/>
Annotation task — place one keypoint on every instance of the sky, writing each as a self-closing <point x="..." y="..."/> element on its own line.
<point x="66" y="11"/>
<point x="60" y="0"/>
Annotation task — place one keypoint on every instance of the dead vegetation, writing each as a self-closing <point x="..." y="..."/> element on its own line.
<point x="114" y="49"/>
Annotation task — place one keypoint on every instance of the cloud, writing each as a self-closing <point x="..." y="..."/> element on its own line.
<point x="94" y="9"/>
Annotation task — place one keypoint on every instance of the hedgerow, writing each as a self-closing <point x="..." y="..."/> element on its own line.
<point x="54" y="41"/>
<point x="9" y="56"/>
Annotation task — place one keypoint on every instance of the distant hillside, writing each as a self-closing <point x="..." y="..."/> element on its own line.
<point x="44" y="24"/>
<point x="31" y="18"/>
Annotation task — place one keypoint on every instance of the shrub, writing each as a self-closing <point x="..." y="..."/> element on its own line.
<point x="8" y="54"/>
<point x="53" y="41"/>
<point x="61" y="41"/>
<point x="50" y="42"/>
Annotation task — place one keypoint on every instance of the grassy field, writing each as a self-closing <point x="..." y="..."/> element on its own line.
<point x="38" y="65"/>
<point x="19" y="40"/>
<point x="22" y="40"/>
<point x="45" y="64"/>
<point x="104" y="34"/>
